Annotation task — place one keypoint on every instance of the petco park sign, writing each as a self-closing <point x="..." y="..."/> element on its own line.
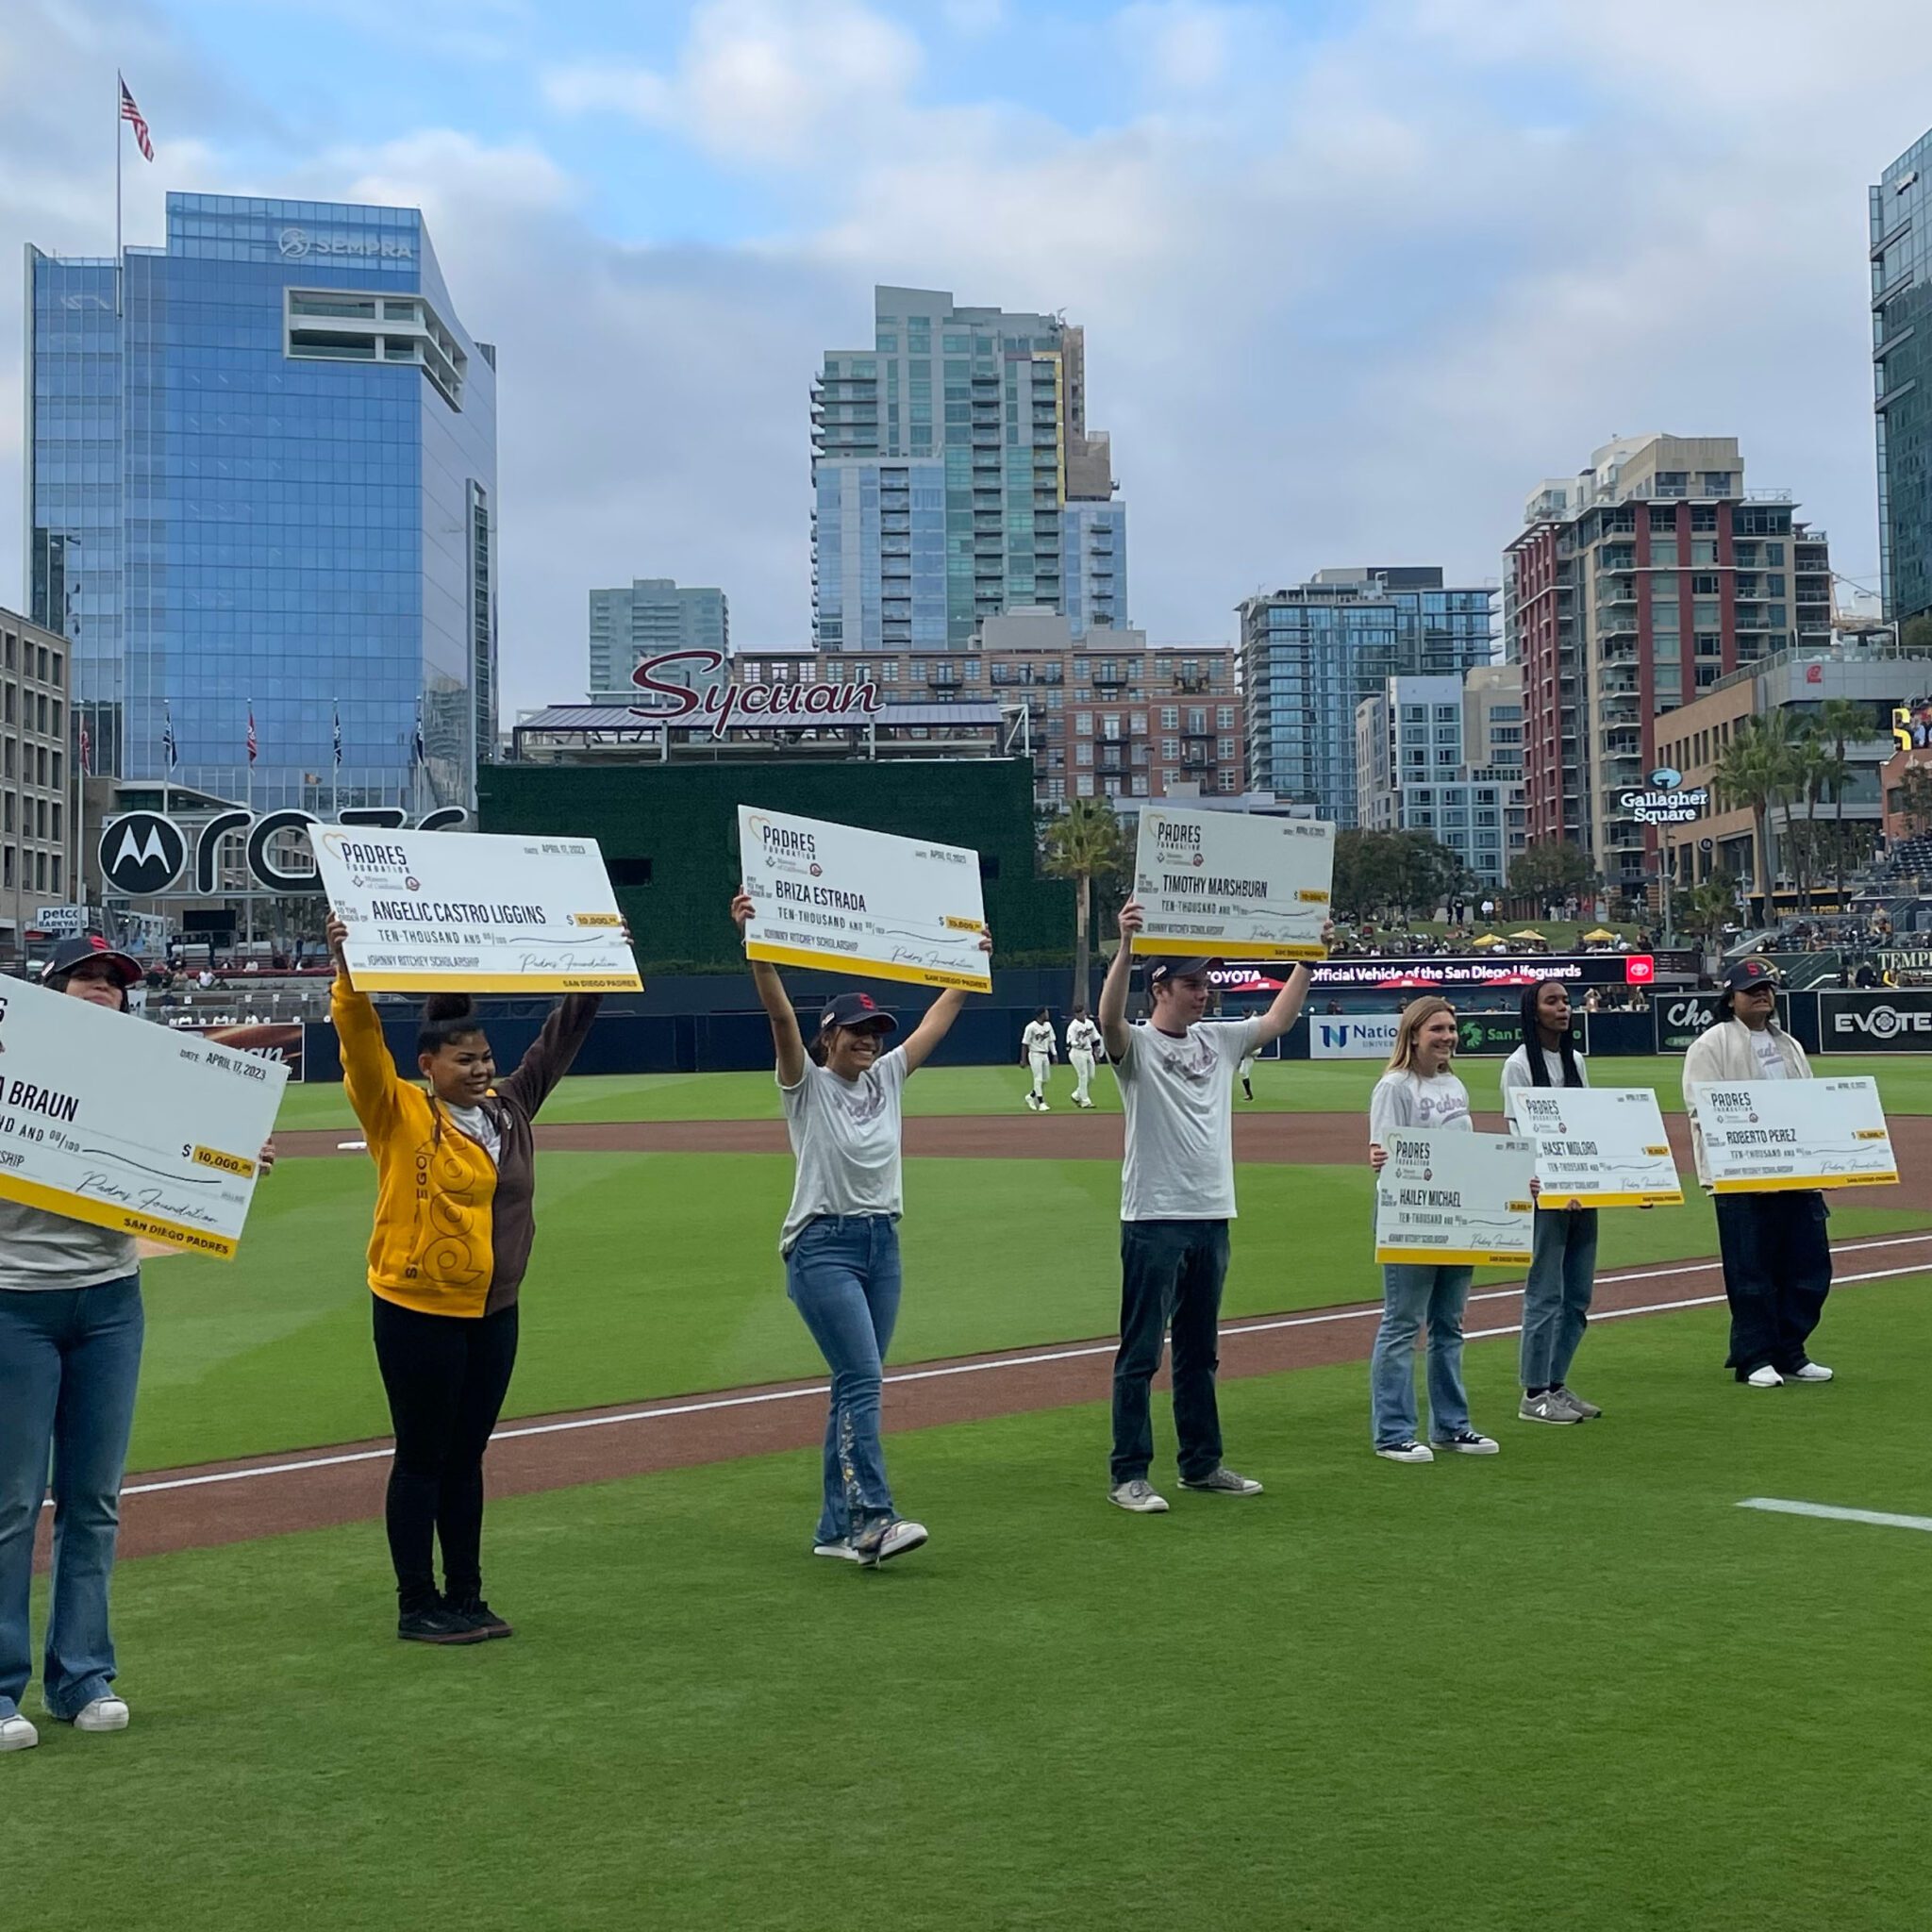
<point x="1665" y="803"/>
<point x="724" y="707"/>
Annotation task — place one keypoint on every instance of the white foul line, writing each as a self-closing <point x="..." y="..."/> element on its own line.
<point x="711" y="1405"/>
<point x="1882" y="1518"/>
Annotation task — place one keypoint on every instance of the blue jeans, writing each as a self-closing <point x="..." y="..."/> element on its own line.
<point x="1171" y="1274"/>
<point x="70" y="1359"/>
<point x="843" y="1275"/>
<point x="1411" y="1294"/>
<point x="1555" y="1298"/>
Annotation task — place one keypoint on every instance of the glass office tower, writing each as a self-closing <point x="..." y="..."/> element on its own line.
<point x="261" y="475"/>
<point x="1901" y="254"/>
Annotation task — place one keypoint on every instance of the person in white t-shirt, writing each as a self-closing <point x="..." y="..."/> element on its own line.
<point x="1419" y="1091"/>
<point x="840" y="1238"/>
<point x="1083" y="1042"/>
<point x="1037" y="1049"/>
<point x="1562" y="1270"/>
<point x="1777" y="1253"/>
<point x="1176" y="1078"/>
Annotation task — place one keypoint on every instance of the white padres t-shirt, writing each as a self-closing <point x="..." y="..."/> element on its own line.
<point x="845" y="1133"/>
<point x="1178" y="1094"/>
<point x="1408" y="1100"/>
<point x="1516" y="1071"/>
<point x="1771" y="1062"/>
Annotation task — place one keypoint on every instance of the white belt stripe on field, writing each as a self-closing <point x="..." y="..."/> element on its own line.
<point x="1038" y="1358"/>
<point x="1882" y="1518"/>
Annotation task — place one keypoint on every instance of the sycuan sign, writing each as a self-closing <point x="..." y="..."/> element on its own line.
<point x="724" y="707"/>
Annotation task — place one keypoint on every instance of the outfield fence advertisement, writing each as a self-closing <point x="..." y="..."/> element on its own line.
<point x="1596" y="1146"/>
<point x="1769" y="1136"/>
<point x="1888" y="1022"/>
<point x="870" y="903"/>
<point x="1446" y="1198"/>
<point x="127" y="1125"/>
<point x="475" y="912"/>
<point x="1371" y="1037"/>
<point x="1232" y="885"/>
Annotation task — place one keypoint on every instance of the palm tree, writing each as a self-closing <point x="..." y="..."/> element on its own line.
<point x="1747" y="776"/>
<point x="1086" y="842"/>
<point x="1841" y="721"/>
<point x="1811" y="767"/>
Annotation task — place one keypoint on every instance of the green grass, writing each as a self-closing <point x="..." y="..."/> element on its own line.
<point x="1573" y="1683"/>
<point x="658" y="1275"/>
<point x="1284" y="1086"/>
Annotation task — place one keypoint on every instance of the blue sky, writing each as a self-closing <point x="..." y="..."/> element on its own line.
<point x="1354" y="277"/>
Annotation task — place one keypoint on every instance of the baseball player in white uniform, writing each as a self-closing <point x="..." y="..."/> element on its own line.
<point x="1083" y="1042"/>
<point x="1247" y="1075"/>
<point x="1036" y="1045"/>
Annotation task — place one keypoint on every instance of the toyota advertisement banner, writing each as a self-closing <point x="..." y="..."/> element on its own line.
<point x="1888" y="1022"/>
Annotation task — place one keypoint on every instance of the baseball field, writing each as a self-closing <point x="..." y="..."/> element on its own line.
<point x="1540" y="1689"/>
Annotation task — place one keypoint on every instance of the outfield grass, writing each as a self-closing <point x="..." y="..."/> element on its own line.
<point x="1574" y="1684"/>
<point x="656" y="1274"/>
<point x="1281" y="1086"/>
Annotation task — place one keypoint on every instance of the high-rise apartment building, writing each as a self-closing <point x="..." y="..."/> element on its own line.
<point x="1901" y="251"/>
<point x="1642" y="580"/>
<point x="262" y="479"/>
<point x="1444" y="756"/>
<point x="37" y="778"/>
<point x="954" y="479"/>
<point x="1311" y="654"/>
<point x="652" y="615"/>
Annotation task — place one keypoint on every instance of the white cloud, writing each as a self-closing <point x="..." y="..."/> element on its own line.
<point x="1179" y="45"/>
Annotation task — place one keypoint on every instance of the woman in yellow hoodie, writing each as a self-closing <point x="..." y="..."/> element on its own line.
<point x="455" y="1177"/>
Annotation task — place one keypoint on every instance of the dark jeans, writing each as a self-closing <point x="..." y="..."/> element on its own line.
<point x="446" y="1377"/>
<point x="1777" y="1272"/>
<point x="1172" y="1274"/>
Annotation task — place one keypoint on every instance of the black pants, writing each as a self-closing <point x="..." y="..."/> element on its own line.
<point x="1777" y="1272"/>
<point x="1172" y="1271"/>
<point x="446" y="1378"/>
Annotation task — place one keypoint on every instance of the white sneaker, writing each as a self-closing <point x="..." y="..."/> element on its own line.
<point x="1811" y="1372"/>
<point x="1139" y="1496"/>
<point x="1766" y="1377"/>
<point x="103" y="1714"/>
<point x="1046" y="1107"/>
<point x="17" y="1734"/>
<point x="840" y="1547"/>
<point x="1410" y="1451"/>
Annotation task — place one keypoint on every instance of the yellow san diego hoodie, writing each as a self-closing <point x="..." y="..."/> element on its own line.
<point x="453" y="1228"/>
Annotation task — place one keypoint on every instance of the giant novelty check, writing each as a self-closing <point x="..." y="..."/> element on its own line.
<point x="114" y="1121"/>
<point x="1767" y="1136"/>
<point x="1232" y="885"/>
<point x="1597" y="1147"/>
<point x="825" y="894"/>
<point x="475" y="912"/>
<point x="1446" y="1198"/>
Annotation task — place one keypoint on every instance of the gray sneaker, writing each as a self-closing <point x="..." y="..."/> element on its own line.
<point x="1550" y="1407"/>
<point x="1224" y="1482"/>
<point x="1139" y="1496"/>
<point x="1588" y="1410"/>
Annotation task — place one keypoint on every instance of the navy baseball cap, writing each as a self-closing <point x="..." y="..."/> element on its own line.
<point x="1163" y="969"/>
<point x="1742" y="973"/>
<point x="857" y="1009"/>
<point x="79" y="950"/>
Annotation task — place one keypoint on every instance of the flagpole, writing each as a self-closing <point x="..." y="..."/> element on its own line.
<point x="119" y="271"/>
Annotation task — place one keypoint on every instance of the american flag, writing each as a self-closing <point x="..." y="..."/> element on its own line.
<point x="252" y="747"/>
<point x="87" y="749"/>
<point x="334" y="713"/>
<point x="169" y="748"/>
<point x="130" y="112"/>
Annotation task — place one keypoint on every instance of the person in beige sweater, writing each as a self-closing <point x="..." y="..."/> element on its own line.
<point x="1776" y="1254"/>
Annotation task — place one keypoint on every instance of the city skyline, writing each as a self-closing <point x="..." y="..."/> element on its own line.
<point x="1274" y="423"/>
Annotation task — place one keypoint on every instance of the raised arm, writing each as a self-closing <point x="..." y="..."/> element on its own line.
<point x="785" y="1038"/>
<point x="939" y="1019"/>
<point x="368" y="1075"/>
<point x="1287" y="1007"/>
<point x="1120" y="974"/>
<point x="551" y="1052"/>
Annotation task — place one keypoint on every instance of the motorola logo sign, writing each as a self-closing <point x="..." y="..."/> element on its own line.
<point x="143" y="852"/>
<point x="299" y="244"/>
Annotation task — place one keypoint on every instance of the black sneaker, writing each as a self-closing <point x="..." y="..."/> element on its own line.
<point x="480" y="1616"/>
<point x="437" y="1624"/>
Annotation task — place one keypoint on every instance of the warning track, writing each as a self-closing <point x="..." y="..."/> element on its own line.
<point x="236" y="1502"/>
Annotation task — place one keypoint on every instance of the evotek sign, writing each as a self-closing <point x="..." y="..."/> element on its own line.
<point x="1665" y="803"/>
<point x="1888" y="1022"/>
<point x="143" y="852"/>
<point x="724" y="707"/>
